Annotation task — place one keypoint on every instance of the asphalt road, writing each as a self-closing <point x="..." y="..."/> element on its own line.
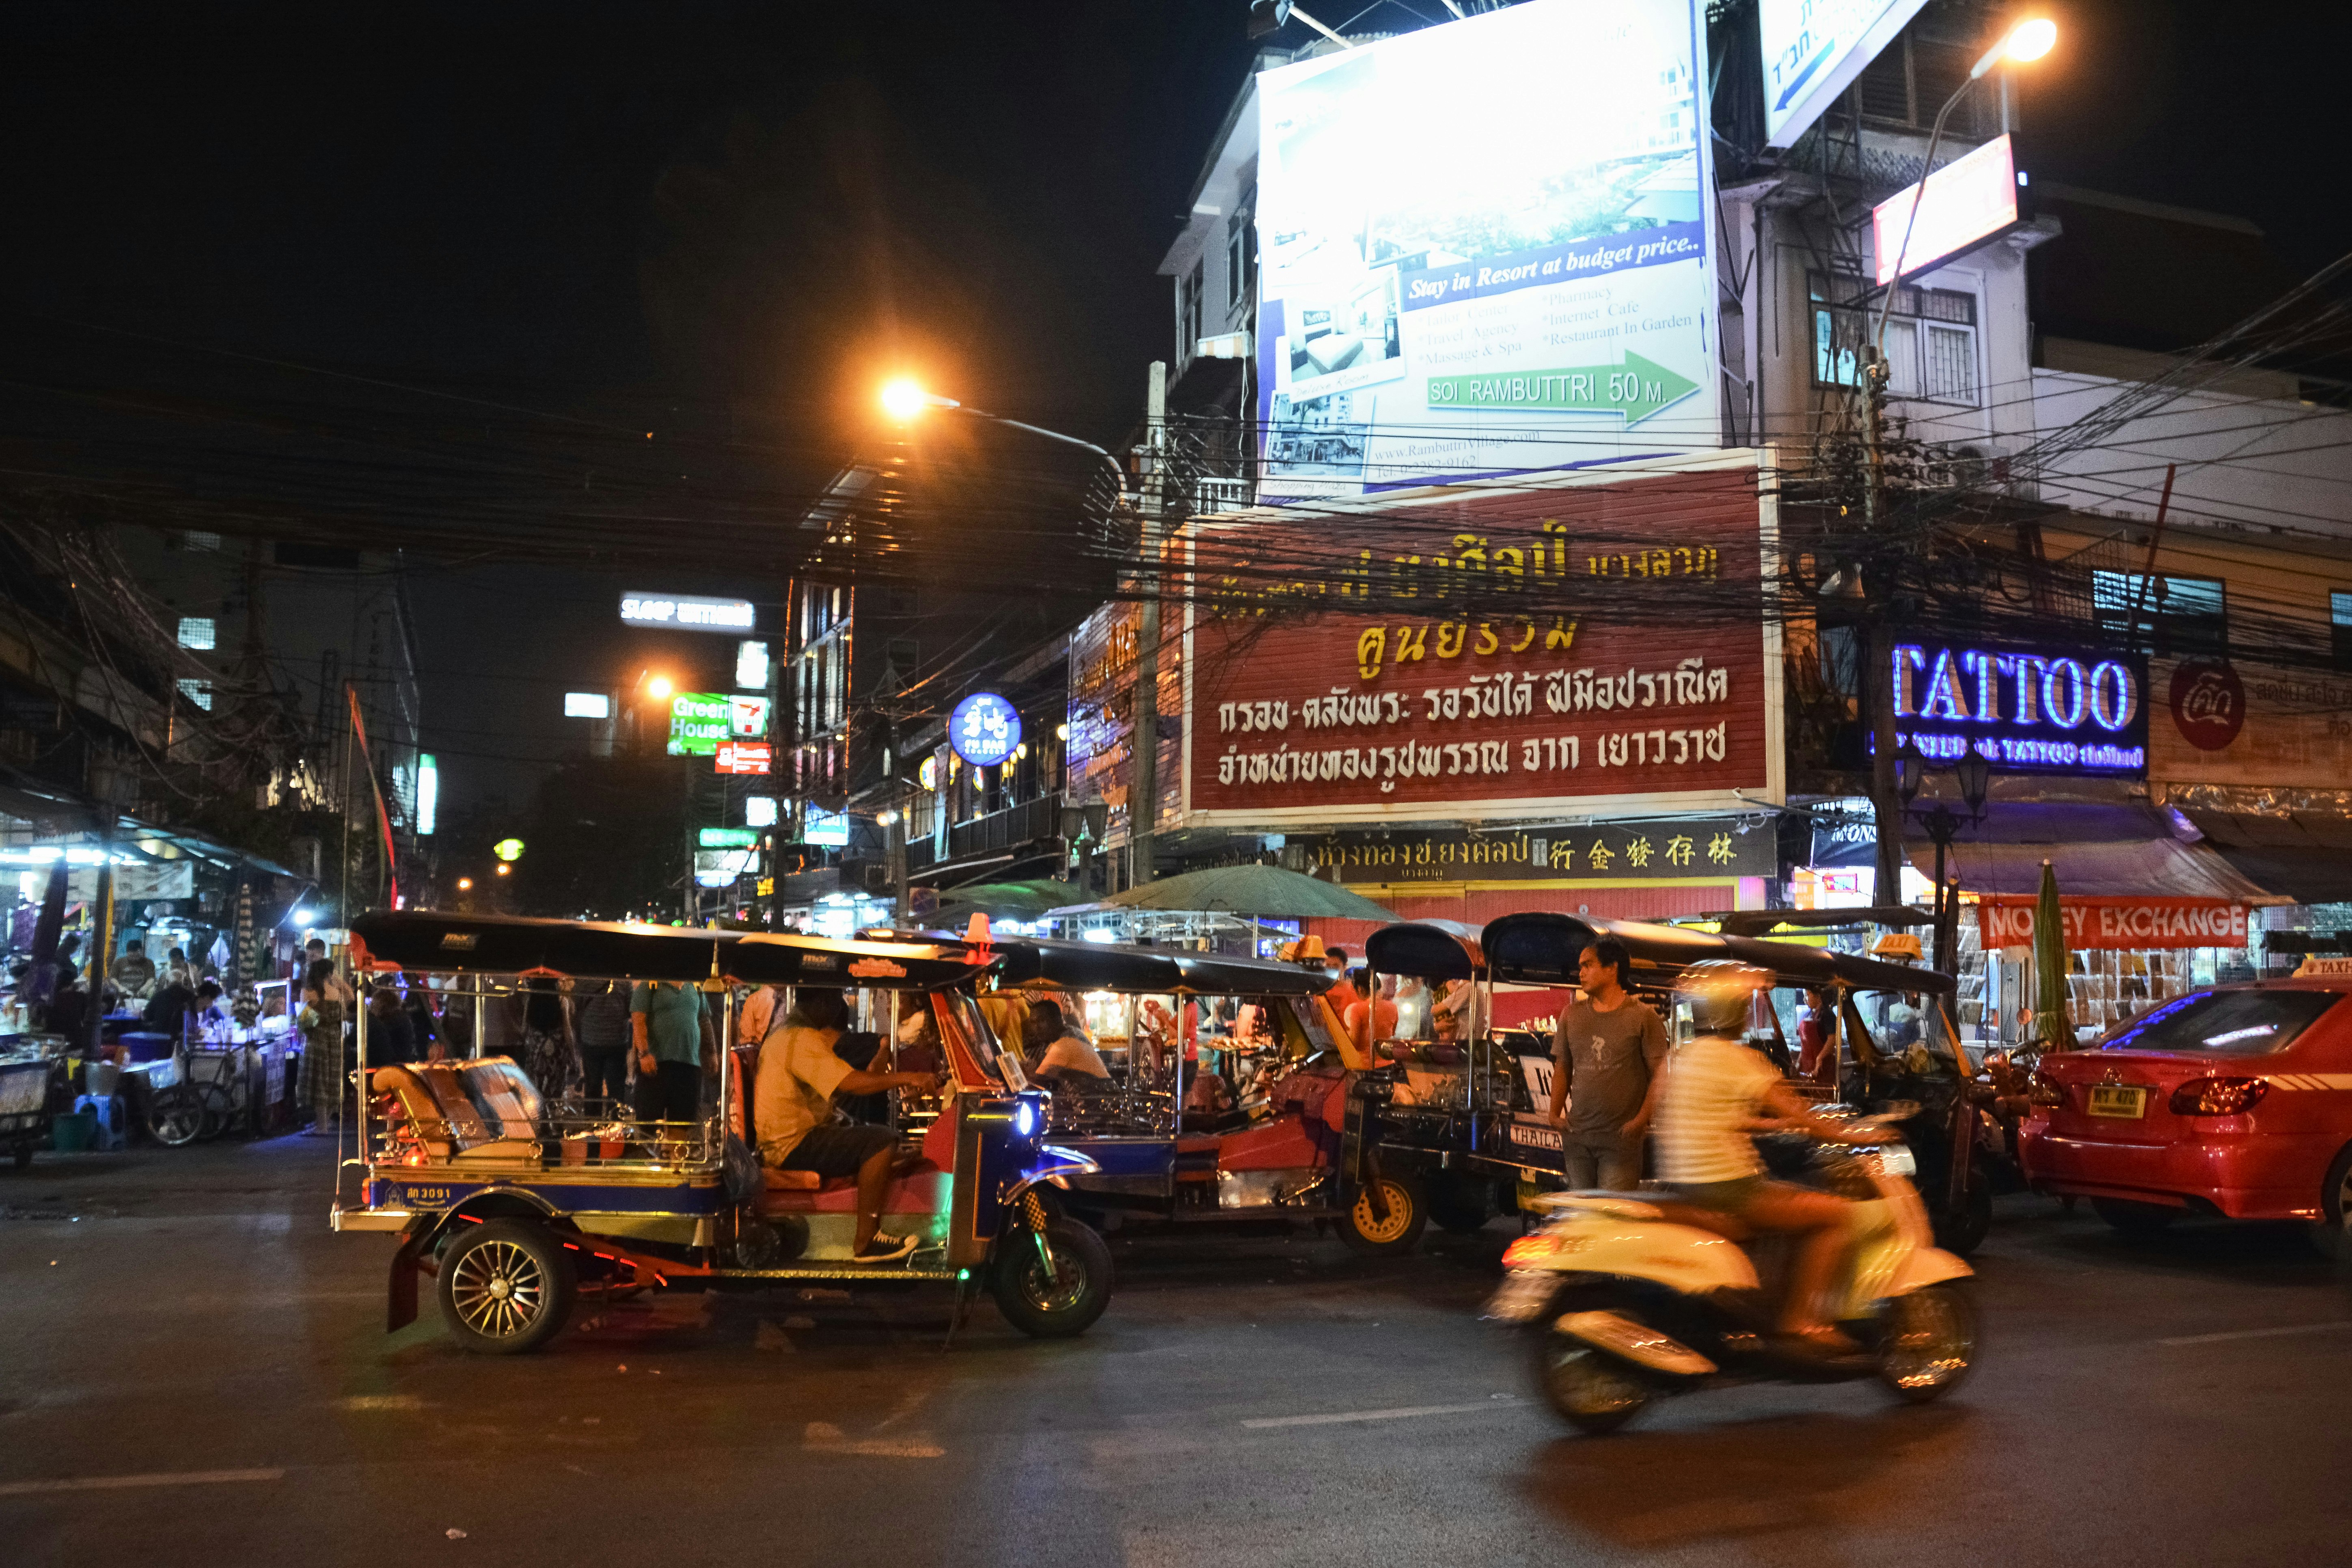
<point x="193" y="1370"/>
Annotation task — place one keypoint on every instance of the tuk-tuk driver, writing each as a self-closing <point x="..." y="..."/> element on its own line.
<point x="792" y="1110"/>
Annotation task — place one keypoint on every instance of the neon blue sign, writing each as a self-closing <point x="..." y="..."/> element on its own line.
<point x="2024" y="710"/>
<point x="984" y="729"/>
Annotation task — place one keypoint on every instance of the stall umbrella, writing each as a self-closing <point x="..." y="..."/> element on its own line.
<point x="2051" y="1022"/>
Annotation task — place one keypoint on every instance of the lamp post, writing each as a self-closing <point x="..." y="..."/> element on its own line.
<point x="905" y="401"/>
<point x="2027" y="40"/>
<point x="1944" y="824"/>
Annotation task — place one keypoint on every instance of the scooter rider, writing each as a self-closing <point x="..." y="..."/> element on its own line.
<point x="1717" y="1093"/>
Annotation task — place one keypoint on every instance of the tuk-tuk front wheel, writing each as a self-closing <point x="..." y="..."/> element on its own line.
<point x="1061" y="1302"/>
<point x="1378" y="1234"/>
<point x="506" y="1287"/>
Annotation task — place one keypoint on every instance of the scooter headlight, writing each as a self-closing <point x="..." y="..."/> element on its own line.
<point x="1897" y="1159"/>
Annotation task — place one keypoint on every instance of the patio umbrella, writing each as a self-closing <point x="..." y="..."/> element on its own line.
<point x="2051" y="1023"/>
<point x="1267" y="891"/>
<point x="1003" y="900"/>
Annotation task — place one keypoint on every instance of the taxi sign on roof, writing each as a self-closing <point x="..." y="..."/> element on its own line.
<point x="2312" y="965"/>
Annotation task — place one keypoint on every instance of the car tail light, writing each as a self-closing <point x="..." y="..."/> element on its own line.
<point x="2219" y="1096"/>
<point x="2046" y="1090"/>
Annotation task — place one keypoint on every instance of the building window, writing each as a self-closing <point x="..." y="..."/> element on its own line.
<point x="197" y="539"/>
<point x="2340" y="616"/>
<point x="904" y="654"/>
<point x="1931" y="339"/>
<point x="199" y="692"/>
<point x="2163" y="614"/>
<point x="196" y="632"/>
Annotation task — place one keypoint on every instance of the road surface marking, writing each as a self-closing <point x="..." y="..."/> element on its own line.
<point x="2258" y="1333"/>
<point x="111" y="1483"/>
<point x="1332" y="1420"/>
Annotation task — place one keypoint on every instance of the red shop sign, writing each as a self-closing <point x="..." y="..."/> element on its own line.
<point x="1505" y="652"/>
<point x="2005" y="920"/>
<point x="741" y="757"/>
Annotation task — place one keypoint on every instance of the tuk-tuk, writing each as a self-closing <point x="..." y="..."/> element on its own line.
<point x="1242" y="1096"/>
<point x="1542" y="948"/>
<point x="515" y="1205"/>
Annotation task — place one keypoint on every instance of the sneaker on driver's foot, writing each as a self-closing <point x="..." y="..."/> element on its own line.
<point x="886" y="1248"/>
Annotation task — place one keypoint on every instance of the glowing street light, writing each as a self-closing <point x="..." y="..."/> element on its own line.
<point x="2028" y="40"/>
<point x="659" y="687"/>
<point x="465" y="884"/>
<point x="905" y="400"/>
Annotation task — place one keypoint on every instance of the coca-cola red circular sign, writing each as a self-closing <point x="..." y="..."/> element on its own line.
<point x="2209" y="702"/>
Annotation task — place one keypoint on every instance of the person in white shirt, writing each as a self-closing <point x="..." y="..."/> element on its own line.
<point x="1717" y="1094"/>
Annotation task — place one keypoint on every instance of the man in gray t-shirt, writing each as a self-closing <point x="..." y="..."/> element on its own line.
<point x="1606" y="1056"/>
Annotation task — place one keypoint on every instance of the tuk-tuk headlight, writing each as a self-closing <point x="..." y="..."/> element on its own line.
<point x="1028" y="1118"/>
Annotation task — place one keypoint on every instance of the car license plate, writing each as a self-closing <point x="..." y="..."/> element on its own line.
<point x="1525" y="1294"/>
<point x="2123" y="1100"/>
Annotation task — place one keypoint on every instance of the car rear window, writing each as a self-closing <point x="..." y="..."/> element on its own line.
<point x="2224" y="1022"/>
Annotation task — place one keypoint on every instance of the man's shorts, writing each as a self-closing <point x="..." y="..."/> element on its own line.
<point x="836" y="1150"/>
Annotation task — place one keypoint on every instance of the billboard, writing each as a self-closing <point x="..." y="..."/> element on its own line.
<point x="1485" y="248"/>
<point x="1594" y="645"/>
<point x="741" y="757"/>
<point x="2050" y="710"/>
<point x="1677" y="849"/>
<point x="689" y="613"/>
<point x="1812" y="51"/>
<point x="1968" y="201"/>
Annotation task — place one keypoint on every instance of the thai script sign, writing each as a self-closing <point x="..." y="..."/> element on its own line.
<point x="2022" y="710"/>
<point x="1389" y="681"/>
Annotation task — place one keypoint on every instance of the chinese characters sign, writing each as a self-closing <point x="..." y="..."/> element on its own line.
<point x="1443" y="677"/>
<point x="1675" y="848"/>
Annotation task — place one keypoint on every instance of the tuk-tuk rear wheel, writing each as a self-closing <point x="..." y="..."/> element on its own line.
<point x="505" y="1286"/>
<point x="1060" y="1305"/>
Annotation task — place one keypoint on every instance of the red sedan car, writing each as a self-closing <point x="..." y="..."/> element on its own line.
<point x="2234" y="1101"/>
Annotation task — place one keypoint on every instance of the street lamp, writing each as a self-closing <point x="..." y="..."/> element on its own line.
<point x="1944" y="824"/>
<point x="2028" y="40"/>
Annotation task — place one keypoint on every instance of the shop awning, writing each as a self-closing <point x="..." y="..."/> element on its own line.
<point x="2096" y="851"/>
<point x="2299" y="855"/>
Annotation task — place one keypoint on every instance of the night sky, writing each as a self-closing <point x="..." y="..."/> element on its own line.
<point x="722" y="217"/>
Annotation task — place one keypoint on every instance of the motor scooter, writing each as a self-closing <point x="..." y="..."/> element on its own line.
<point x="1628" y="1297"/>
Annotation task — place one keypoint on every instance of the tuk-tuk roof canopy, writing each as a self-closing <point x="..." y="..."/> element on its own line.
<point x="1145" y="971"/>
<point x="1427" y="949"/>
<point x="1542" y="949"/>
<point x="435" y="941"/>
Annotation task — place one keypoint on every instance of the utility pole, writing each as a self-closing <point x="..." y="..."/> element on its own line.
<point x="895" y="840"/>
<point x="1878" y="673"/>
<point x="1143" y="784"/>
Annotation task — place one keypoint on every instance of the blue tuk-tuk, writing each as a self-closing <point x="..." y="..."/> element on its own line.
<point x="516" y="1206"/>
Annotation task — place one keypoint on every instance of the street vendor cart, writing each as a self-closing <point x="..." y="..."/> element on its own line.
<point x="515" y="1207"/>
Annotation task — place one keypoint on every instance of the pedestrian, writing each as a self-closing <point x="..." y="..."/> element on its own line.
<point x="424" y="1030"/>
<point x="1606" y="1053"/>
<point x="601" y="1024"/>
<point x="390" y="1043"/>
<point x="1817" y="1038"/>
<point x="323" y="1079"/>
<point x="1371" y="1022"/>
<point x="670" y="1028"/>
<point x="546" y="1050"/>
<point x="176" y="970"/>
<point x="132" y="972"/>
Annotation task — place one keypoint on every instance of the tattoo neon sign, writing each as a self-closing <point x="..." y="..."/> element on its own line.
<point x="2021" y="709"/>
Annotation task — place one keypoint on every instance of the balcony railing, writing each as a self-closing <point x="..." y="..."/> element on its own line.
<point x="1015" y="825"/>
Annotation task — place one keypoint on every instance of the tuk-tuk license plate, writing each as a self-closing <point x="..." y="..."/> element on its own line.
<point x="2125" y="1101"/>
<point x="1525" y="1294"/>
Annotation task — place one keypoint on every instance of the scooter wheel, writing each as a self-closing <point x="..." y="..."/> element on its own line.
<point x="1588" y="1390"/>
<point x="1930" y="1344"/>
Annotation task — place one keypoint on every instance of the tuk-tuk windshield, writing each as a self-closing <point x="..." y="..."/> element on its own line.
<point x="965" y="1009"/>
